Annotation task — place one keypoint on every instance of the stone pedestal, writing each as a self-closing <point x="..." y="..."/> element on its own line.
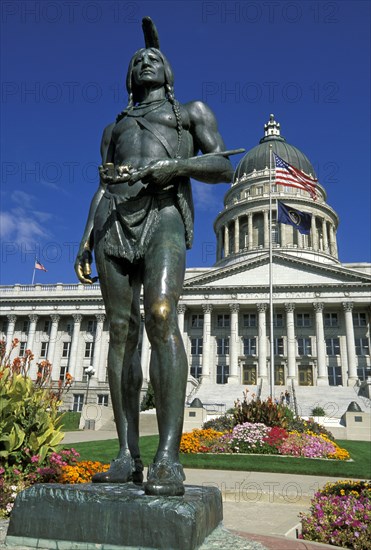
<point x="107" y="517"/>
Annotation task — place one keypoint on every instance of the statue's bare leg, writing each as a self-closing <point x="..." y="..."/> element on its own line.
<point x="120" y="286"/>
<point x="163" y="282"/>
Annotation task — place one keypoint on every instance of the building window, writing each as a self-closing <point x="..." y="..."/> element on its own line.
<point x="197" y="321"/>
<point x="196" y="346"/>
<point x="303" y="320"/>
<point x="222" y="346"/>
<point x="66" y="349"/>
<point x="78" y="402"/>
<point x="102" y="399"/>
<point x="359" y="319"/>
<point x="222" y="373"/>
<point x="334" y="376"/>
<point x="92" y="326"/>
<point x="304" y="346"/>
<point x="249" y="346"/>
<point x="46" y="328"/>
<point x="69" y="327"/>
<point x="223" y="321"/>
<point x="259" y="190"/>
<point x="333" y="346"/>
<point x="196" y="371"/>
<point x="89" y="350"/>
<point x="331" y="319"/>
<point x="362" y="347"/>
<point x="278" y="319"/>
<point x="44" y="349"/>
<point x="363" y="373"/>
<point x="22" y="348"/>
<point x="275" y="233"/>
<point x="249" y="320"/>
<point x="278" y="346"/>
<point x="62" y="372"/>
<point x="25" y="326"/>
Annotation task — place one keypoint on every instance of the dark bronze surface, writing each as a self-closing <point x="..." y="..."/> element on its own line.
<point x="140" y="223"/>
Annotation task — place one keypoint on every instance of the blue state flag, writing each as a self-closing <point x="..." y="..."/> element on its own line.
<point x="290" y="216"/>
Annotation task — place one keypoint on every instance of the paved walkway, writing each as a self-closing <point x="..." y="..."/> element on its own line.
<point x="258" y="507"/>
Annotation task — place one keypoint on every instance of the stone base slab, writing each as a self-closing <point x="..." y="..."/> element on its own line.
<point x="107" y="517"/>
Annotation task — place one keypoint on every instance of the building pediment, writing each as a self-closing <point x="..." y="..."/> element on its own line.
<point x="286" y="270"/>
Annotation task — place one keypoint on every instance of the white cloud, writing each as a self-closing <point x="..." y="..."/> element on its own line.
<point x="205" y="197"/>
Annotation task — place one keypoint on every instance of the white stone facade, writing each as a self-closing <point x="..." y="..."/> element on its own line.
<point x="321" y="308"/>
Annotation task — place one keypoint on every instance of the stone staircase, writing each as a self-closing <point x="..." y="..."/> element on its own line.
<point x="333" y="399"/>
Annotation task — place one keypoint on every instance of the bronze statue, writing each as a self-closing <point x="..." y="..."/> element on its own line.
<point x="140" y="223"/>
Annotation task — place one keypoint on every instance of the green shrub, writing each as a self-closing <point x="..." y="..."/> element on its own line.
<point x="148" y="401"/>
<point x="318" y="411"/>
<point x="70" y="421"/>
<point x="302" y="426"/>
<point x="223" y="423"/>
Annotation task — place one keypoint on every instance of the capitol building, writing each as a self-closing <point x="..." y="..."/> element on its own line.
<point x="316" y="344"/>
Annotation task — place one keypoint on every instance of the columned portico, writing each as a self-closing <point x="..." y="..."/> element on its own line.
<point x="53" y="337"/>
<point x="181" y="309"/>
<point x="234" y="345"/>
<point x="291" y="342"/>
<point x="206" y="355"/>
<point x="322" y="375"/>
<point x="262" y="341"/>
<point x="351" y="349"/>
<point x="12" y="319"/>
<point x="77" y="318"/>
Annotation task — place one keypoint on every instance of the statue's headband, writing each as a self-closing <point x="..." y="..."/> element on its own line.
<point x="151" y="38"/>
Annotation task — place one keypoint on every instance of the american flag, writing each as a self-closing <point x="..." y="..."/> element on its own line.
<point x="293" y="177"/>
<point x="38" y="265"/>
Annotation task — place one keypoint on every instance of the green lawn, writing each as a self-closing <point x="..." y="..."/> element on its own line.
<point x="360" y="451"/>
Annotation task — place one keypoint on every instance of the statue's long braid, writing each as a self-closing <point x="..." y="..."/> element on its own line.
<point x="178" y="116"/>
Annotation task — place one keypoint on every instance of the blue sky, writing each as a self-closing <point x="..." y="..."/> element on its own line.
<point x="63" y="67"/>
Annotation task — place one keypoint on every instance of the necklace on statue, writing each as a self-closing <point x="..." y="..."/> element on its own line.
<point x="144" y="108"/>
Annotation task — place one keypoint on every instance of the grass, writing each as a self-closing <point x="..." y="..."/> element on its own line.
<point x="360" y="452"/>
<point x="70" y="421"/>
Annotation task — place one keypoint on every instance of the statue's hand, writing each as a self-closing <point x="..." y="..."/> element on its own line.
<point x="158" y="172"/>
<point x="83" y="262"/>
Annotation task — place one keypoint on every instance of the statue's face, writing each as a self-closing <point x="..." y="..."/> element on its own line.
<point x="148" y="69"/>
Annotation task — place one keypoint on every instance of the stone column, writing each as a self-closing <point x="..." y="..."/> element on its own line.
<point x="31" y="330"/>
<point x="262" y="341"/>
<point x="206" y="336"/>
<point x="332" y="241"/>
<point x="145" y="355"/>
<point x="226" y="240"/>
<point x="291" y="342"/>
<point x="283" y="234"/>
<point x="77" y="318"/>
<point x="219" y="245"/>
<point x="233" y="345"/>
<point x="12" y="319"/>
<point x="181" y="309"/>
<point x="249" y="231"/>
<point x="322" y="375"/>
<point x="324" y="236"/>
<point x="266" y="228"/>
<point x="97" y="363"/>
<point x="53" y="337"/>
<point x="351" y="348"/>
<point x="236" y="235"/>
<point x="314" y="234"/>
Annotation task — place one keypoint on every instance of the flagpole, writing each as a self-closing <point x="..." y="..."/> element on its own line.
<point x="271" y="332"/>
<point x="34" y="271"/>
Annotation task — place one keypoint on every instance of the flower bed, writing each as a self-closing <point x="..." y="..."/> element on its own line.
<point x="340" y="514"/>
<point x="258" y="438"/>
